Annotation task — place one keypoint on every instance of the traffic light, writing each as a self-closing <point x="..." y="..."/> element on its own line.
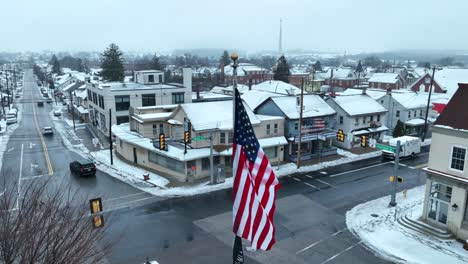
<point x="95" y="205"/>
<point x="98" y="221"/>
<point x="400" y="179"/>
<point x="340" y="136"/>
<point x="187" y="137"/>
<point x="391" y="178"/>
<point x="364" y="140"/>
<point x="96" y="208"/>
<point x="162" y="141"/>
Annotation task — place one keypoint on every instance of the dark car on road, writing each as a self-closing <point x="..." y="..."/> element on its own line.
<point x="40" y="103"/>
<point x="83" y="167"/>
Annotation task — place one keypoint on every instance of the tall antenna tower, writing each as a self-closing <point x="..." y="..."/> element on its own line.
<point x="280" y="44"/>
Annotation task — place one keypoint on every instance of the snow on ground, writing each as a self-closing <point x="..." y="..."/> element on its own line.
<point x="6" y="133"/>
<point x="396" y="243"/>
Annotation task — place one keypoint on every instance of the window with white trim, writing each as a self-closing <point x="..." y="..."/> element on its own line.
<point x="458" y="158"/>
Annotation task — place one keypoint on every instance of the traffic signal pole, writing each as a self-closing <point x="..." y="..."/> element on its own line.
<point x="395" y="175"/>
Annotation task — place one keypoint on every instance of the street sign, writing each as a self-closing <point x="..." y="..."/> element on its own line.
<point x="198" y="138"/>
<point x="385" y="147"/>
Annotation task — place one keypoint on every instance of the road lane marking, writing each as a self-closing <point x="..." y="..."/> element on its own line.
<point x="33" y="177"/>
<point x="20" y="175"/>
<point x="122" y="205"/>
<point x="44" y="145"/>
<point x="306" y="183"/>
<point x="419" y="166"/>
<point x="333" y="186"/>
<point x="321" y="240"/>
<point x="360" y="169"/>
<point x="341" y="252"/>
<point x="125" y="196"/>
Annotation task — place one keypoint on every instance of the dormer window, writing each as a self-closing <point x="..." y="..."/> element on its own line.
<point x="151" y="78"/>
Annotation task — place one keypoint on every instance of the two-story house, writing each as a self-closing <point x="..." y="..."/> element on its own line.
<point x="392" y="81"/>
<point x="318" y="123"/>
<point x="137" y="142"/>
<point x="358" y="115"/>
<point x="148" y="89"/>
<point x="446" y="196"/>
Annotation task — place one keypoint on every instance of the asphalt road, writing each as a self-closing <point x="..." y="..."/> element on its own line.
<point x="310" y="219"/>
<point x="31" y="157"/>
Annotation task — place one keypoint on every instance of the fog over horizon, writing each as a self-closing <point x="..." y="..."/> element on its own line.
<point x="155" y="26"/>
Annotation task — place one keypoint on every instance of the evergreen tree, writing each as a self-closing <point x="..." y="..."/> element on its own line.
<point x="55" y="65"/>
<point x="112" y="64"/>
<point x="156" y="64"/>
<point x="225" y="59"/>
<point x="399" y="129"/>
<point x="281" y="71"/>
<point x="318" y="66"/>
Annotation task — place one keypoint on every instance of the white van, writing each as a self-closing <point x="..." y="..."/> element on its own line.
<point x="409" y="146"/>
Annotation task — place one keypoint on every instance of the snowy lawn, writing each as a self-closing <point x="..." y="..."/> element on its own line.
<point x="395" y="242"/>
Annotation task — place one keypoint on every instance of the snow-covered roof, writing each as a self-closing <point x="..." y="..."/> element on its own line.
<point x="211" y="115"/>
<point x="359" y="104"/>
<point x="243" y="69"/>
<point x="415" y="122"/>
<point x="228" y="90"/>
<point x="152" y="116"/>
<point x="156" y="107"/>
<point x="313" y="104"/>
<point x="374" y="93"/>
<point x="268" y="117"/>
<point x="449" y="78"/>
<point x="411" y="100"/>
<point x="384" y="77"/>
<point x="68" y="87"/>
<point x="81" y="94"/>
<point x="279" y="87"/>
<point x="254" y="98"/>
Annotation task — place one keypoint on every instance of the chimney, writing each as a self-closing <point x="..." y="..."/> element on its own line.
<point x="187" y="78"/>
<point x="250" y="84"/>
<point x="198" y="91"/>
<point x="388" y="91"/>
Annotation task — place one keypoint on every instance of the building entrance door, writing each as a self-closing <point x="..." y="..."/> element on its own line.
<point x="438" y="211"/>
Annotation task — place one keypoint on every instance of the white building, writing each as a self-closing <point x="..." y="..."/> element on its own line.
<point x="148" y="90"/>
<point x="358" y="115"/>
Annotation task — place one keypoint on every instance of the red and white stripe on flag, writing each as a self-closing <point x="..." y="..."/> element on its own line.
<point x="255" y="184"/>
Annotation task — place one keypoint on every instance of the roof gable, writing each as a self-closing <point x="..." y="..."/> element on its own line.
<point x="359" y="104"/>
<point x="455" y="114"/>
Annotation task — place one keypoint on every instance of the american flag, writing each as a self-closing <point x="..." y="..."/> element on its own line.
<point x="255" y="184"/>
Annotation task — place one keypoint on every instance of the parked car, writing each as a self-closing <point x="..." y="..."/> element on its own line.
<point x="47" y="131"/>
<point x="17" y="95"/>
<point x="83" y="167"/>
<point x="11" y="119"/>
<point x="40" y="103"/>
<point x="57" y="113"/>
<point x="49" y="101"/>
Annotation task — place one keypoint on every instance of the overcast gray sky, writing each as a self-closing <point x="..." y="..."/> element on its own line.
<point x="251" y="25"/>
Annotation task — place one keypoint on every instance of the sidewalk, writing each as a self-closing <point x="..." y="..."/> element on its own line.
<point x="374" y="223"/>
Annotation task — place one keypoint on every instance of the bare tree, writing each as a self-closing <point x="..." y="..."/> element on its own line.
<point x="46" y="224"/>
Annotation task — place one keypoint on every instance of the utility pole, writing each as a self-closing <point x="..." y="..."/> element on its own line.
<point x="428" y="103"/>
<point x="8" y="88"/>
<point x="1" y="102"/>
<point x="110" y="137"/>
<point x="72" y="110"/>
<point x="212" y="177"/>
<point x="298" y="162"/>
<point x="395" y="174"/>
